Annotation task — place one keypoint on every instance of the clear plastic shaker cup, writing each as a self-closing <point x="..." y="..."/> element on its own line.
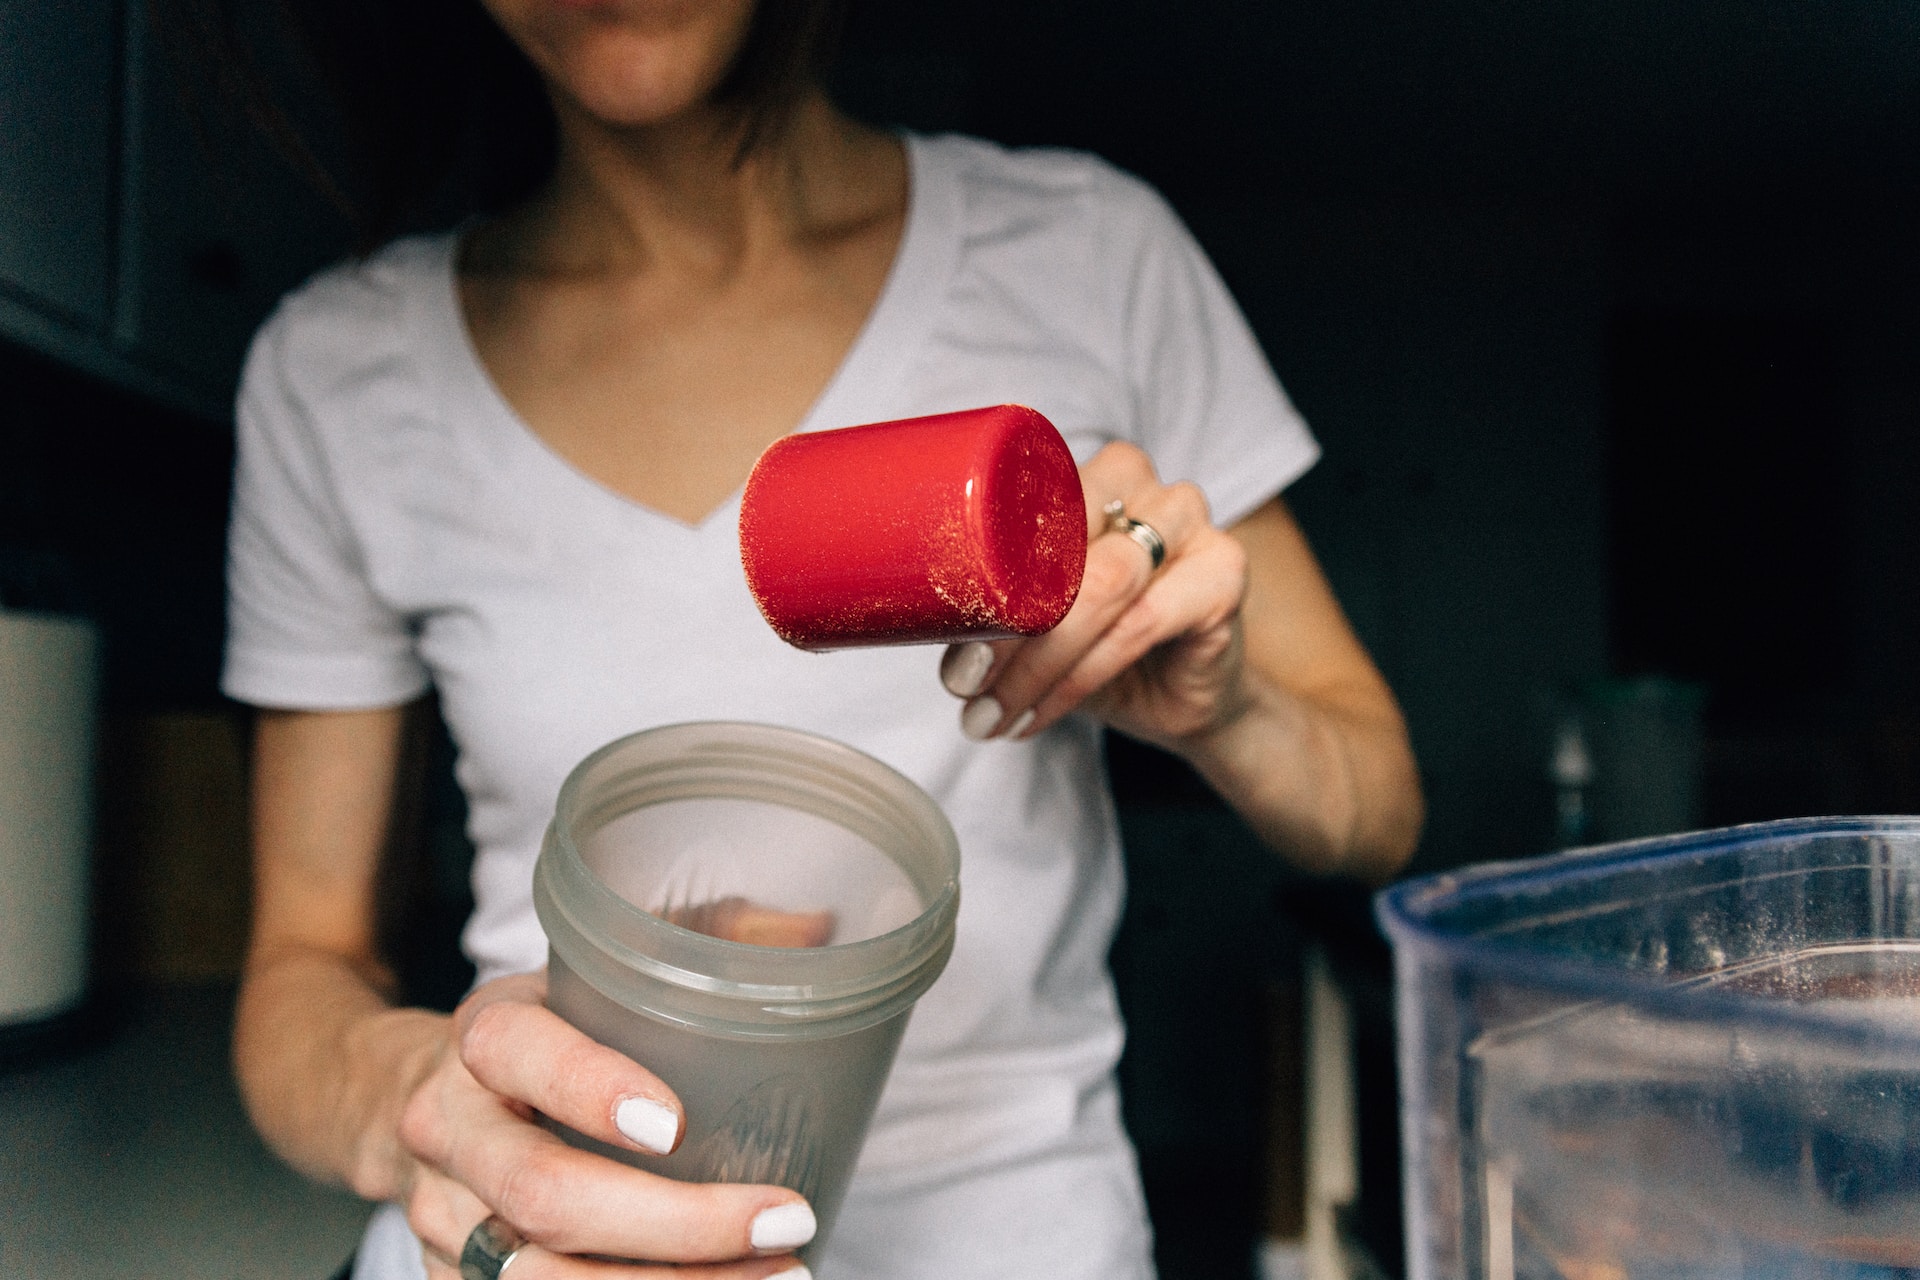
<point x="750" y="912"/>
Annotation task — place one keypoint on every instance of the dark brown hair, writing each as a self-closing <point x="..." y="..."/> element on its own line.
<point x="435" y="114"/>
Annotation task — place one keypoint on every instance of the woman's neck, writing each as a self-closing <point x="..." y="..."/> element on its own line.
<point x="680" y="193"/>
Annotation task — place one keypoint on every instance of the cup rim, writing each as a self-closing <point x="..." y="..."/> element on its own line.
<point x="590" y="925"/>
<point x="1410" y="913"/>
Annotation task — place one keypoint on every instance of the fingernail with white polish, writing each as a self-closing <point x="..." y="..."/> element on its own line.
<point x="965" y="668"/>
<point x="979" y="718"/>
<point x="792" y="1273"/>
<point x="1020" y="723"/>
<point x="648" y="1123"/>
<point x="785" y="1226"/>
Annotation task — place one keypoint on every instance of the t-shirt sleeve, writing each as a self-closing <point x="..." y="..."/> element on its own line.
<point x="305" y="628"/>
<point x="1208" y="406"/>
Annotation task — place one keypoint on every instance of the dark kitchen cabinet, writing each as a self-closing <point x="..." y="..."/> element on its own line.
<point x="218" y="227"/>
<point x="139" y="241"/>
<point x="59" y="125"/>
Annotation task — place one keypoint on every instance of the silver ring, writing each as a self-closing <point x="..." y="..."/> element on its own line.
<point x="490" y="1249"/>
<point x="1148" y="537"/>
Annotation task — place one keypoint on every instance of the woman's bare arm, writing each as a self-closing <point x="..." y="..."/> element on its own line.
<point x="1233" y="654"/>
<point x="1317" y="759"/>
<point x="436" y="1112"/>
<point x="324" y="1062"/>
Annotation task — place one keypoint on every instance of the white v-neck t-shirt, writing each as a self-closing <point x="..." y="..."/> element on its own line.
<point x="396" y="526"/>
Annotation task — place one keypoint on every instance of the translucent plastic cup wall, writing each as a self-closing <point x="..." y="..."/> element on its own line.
<point x="1688" y="1057"/>
<point x="778" y="1053"/>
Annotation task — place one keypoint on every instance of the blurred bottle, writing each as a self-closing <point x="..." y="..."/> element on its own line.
<point x="1625" y="760"/>
<point x="1571" y="769"/>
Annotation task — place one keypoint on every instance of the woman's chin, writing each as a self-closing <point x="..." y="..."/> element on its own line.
<point x="623" y="63"/>
<point x="634" y="87"/>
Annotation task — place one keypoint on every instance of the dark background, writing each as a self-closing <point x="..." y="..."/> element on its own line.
<point x="1605" y="314"/>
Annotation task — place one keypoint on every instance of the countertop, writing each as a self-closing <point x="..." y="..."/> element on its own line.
<point x="133" y="1158"/>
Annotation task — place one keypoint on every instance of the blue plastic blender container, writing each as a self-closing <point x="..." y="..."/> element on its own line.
<point x="1696" y="1056"/>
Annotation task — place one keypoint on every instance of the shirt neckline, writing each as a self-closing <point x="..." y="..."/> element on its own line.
<point x="858" y="389"/>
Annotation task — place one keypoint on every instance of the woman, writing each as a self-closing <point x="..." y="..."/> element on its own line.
<point x="504" y="463"/>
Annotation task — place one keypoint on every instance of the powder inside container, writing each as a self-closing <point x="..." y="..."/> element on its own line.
<point x="748" y="871"/>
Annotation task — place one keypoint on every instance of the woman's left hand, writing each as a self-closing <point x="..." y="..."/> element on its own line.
<point x="1156" y="653"/>
<point x="1232" y="653"/>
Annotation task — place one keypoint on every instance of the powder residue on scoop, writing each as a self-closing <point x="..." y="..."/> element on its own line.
<point x="955" y="526"/>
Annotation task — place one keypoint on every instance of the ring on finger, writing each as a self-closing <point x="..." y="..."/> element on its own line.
<point x="1148" y="537"/>
<point x="490" y="1249"/>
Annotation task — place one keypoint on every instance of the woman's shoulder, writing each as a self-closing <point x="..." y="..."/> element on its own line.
<point x="354" y="320"/>
<point x="1046" y="188"/>
<point x="1038" y="173"/>
<point x="369" y="290"/>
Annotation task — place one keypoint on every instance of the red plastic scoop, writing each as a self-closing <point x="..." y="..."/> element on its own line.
<point x="960" y="526"/>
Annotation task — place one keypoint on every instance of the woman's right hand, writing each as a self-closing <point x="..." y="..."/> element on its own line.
<point x="475" y="1149"/>
<point x="435" y="1112"/>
